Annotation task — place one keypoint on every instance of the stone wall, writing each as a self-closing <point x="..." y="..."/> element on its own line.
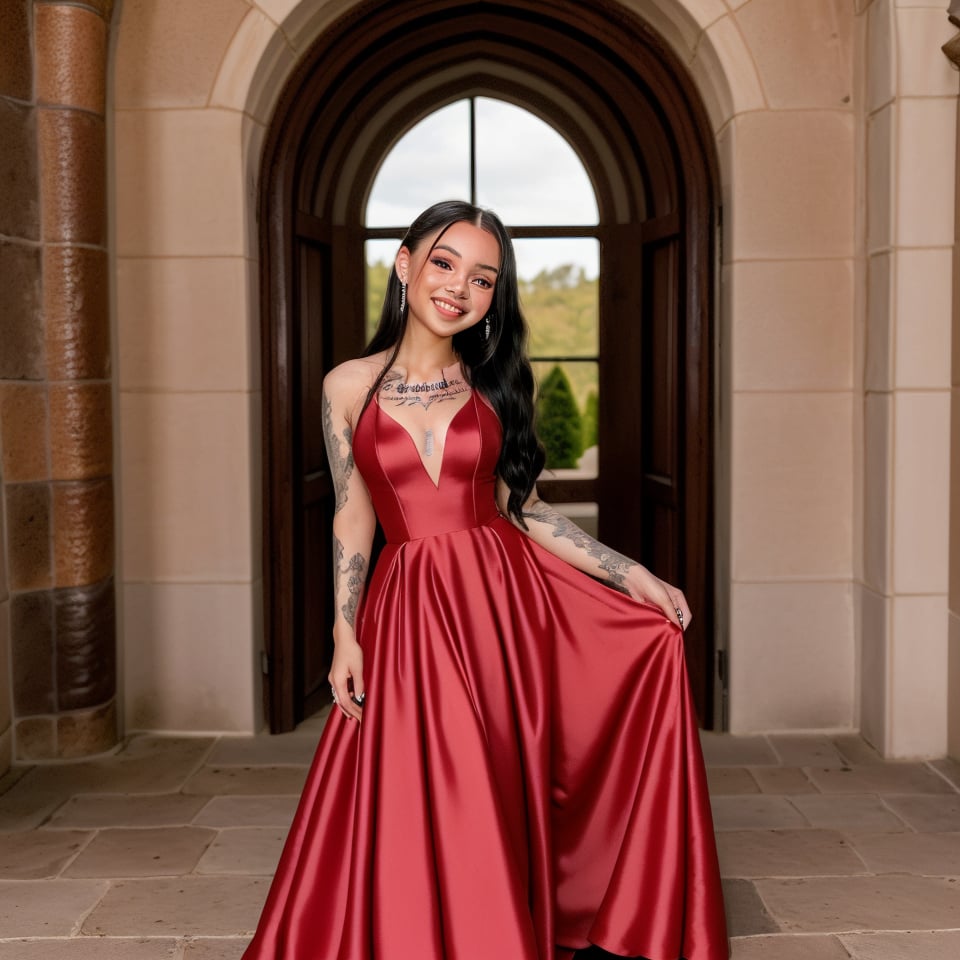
<point x="831" y="121"/>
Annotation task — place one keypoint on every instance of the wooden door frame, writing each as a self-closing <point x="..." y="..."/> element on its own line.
<point x="593" y="70"/>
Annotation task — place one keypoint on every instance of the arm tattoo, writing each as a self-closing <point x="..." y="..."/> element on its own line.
<point x="614" y="565"/>
<point x="340" y="467"/>
<point x="355" y="573"/>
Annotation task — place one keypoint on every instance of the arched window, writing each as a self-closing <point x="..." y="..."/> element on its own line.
<point x="500" y="156"/>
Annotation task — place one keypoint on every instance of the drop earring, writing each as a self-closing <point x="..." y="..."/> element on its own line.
<point x="403" y="296"/>
<point x="486" y="329"/>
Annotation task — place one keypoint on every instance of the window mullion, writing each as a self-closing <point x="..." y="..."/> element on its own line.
<point x="473" y="150"/>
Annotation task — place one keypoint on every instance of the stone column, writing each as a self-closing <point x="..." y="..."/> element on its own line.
<point x="55" y="402"/>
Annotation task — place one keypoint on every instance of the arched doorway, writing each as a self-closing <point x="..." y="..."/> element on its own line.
<point x="603" y="79"/>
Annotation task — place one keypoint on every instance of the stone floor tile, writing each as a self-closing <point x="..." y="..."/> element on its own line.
<point x="230" y="781"/>
<point x="118" y="810"/>
<point x="730" y="781"/>
<point x="254" y="851"/>
<point x="798" y="750"/>
<point x="13" y="775"/>
<point x="943" y="945"/>
<point x="142" y="852"/>
<point x="180" y="906"/>
<point x="927" y="814"/>
<point x="38" y="855"/>
<point x="755" y="812"/>
<point x="949" y="769"/>
<point x="786" y="853"/>
<point x="788" y="947"/>
<point x="725" y="750"/>
<point x="315" y="723"/>
<point x="879" y="778"/>
<point x="920" y="854"/>
<point x="854" y="904"/>
<point x="223" y="948"/>
<point x="29" y="802"/>
<point x="265" y="750"/>
<point x="840" y="811"/>
<point x="746" y="913"/>
<point x="854" y="749"/>
<point x="90" y="948"/>
<point x="146" y="764"/>
<point x="785" y="781"/>
<point x="47" y="908"/>
<point x="258" y="811"/>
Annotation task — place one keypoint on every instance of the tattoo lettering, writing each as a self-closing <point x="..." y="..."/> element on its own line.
<point x="340" y="466"/>
<point x="396" y="391"/>
<point x="355" y="572"/>
<point x="614" y="565"/>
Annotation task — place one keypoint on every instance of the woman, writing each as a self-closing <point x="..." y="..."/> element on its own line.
<point x="513" y="770"/>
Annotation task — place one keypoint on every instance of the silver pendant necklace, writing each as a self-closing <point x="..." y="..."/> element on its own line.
<point x="428" y="443"/>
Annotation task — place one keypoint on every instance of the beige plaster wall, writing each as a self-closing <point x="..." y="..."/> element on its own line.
<point x="787" y="404"/>
<point x="799" y="569"/>
<point x="953" y="632"/>
<point x="906" y="219"/>
<point x="187" y="373"/>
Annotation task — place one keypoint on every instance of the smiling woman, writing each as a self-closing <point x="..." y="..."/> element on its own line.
<point x="477" y="791"/>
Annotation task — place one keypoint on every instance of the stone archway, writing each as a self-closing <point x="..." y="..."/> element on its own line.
<point x="614" y="88"/>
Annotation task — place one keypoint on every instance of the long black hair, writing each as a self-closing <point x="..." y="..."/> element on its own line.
<point x="497" y="366"/>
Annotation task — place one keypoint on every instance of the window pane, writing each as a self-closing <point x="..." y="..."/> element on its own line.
<point x="559" y="290"/>
<point x="567" y="397"/>
<point x="527" y="172"/>
<point x="430" y="162"/>
<point x="380" y="255"/>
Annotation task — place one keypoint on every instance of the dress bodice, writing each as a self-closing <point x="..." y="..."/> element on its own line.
<point x="407" y="502"/>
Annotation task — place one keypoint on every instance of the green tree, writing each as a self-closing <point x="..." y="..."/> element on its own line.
<point x="558" y="420"/>
<point x="589" y="420"/>
<point x="377" y="275"/>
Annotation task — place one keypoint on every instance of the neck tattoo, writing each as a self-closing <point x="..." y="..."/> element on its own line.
<point x="422" y="395"/>
<point x="403" y="388"/>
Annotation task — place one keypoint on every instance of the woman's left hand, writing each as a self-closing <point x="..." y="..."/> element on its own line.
<point x="644" y="586"/>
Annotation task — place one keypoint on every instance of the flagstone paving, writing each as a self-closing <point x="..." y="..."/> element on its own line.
<point x="164" y="850"/>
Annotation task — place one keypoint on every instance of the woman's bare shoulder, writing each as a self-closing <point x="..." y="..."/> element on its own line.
<point x="352" y="375"/>
<point x="345" y="387"/>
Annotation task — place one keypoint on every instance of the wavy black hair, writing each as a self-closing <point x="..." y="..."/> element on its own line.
<point x="496" y="366"/>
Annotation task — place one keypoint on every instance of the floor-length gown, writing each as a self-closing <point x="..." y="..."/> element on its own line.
<point x="526" y="778"/>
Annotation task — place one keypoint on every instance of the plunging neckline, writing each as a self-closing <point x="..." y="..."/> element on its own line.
<point x="416" y="447"/>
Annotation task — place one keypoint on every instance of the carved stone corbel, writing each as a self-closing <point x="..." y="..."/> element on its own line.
<point x="952" y="47"/>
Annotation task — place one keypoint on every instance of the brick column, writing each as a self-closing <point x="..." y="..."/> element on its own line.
<point x="55" y="409"/>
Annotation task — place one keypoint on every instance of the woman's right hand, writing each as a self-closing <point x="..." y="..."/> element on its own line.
<point x="347" y="666"/>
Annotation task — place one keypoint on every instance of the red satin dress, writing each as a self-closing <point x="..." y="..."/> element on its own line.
<point x="527" y="777"/>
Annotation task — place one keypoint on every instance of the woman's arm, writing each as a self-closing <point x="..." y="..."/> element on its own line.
<point x="564" y="539"/>
<point x="354" y="523"/>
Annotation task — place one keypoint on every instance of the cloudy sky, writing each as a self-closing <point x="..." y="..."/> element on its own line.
<point x="526" y="172"/>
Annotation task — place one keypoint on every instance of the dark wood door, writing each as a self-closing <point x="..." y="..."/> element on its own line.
<point x="314" y="507"/>
<point x="650" y="492"/>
